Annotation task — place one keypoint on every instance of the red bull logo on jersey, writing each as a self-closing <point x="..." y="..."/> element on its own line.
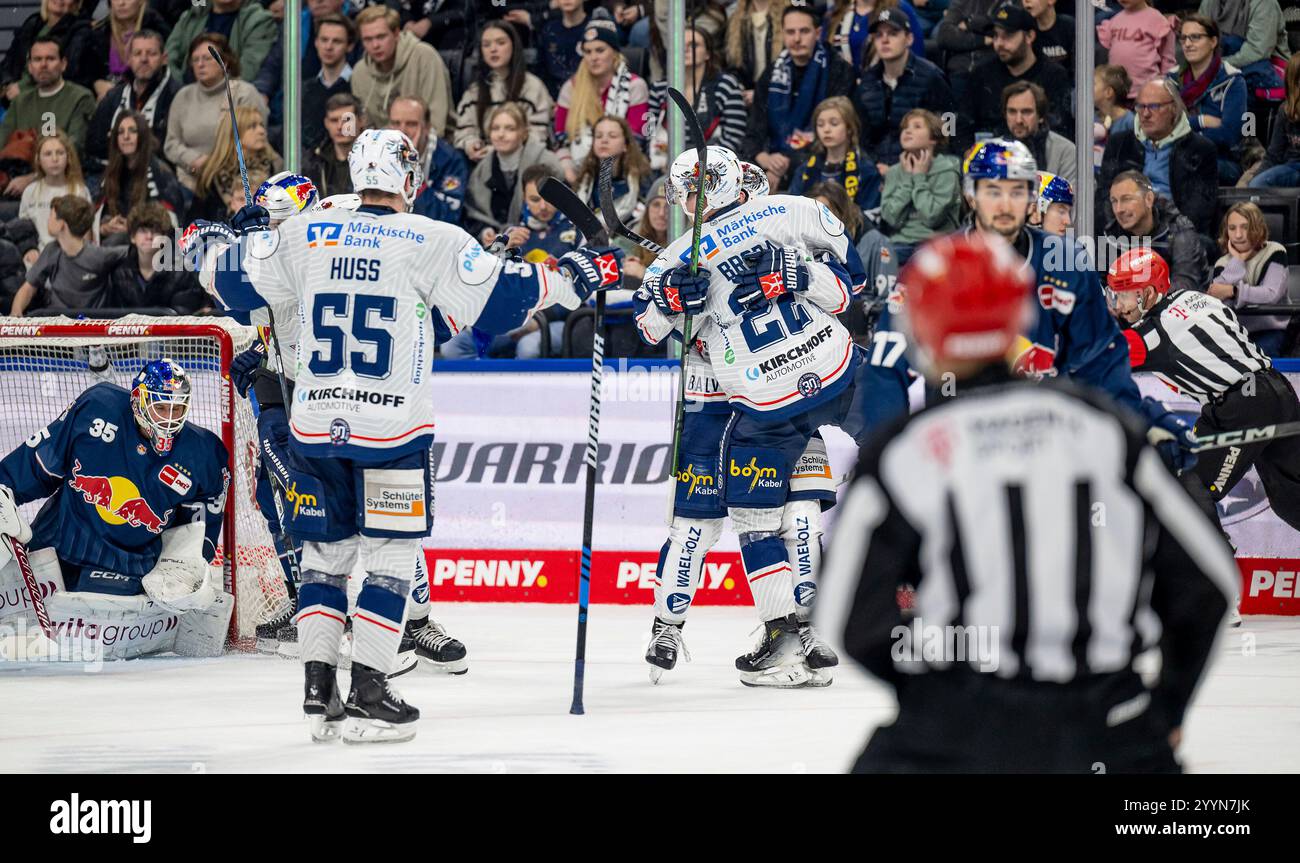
<point x="117" y="500"/>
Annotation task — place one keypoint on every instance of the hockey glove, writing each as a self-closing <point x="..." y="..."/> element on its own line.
<point x="251" y="217"/>
<point x="770" y="273"/>
<point x="679" y="290"/>
<point x="1171" y="436"/>
<point x="202" y="232"/>
<point x="243" y="368"/>
<point x="12" y="522"/>
<point x="593" y="268"/>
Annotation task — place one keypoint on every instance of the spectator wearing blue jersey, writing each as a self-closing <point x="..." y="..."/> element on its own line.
<point x="837" y="156"/>
<point x="445" y="174"/>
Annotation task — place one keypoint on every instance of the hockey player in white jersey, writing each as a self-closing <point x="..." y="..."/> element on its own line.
<point x="774" y="273"/>
<point x="698" y="511"/>
<point x="368" y="283"/>
<point x="425" y="643"/>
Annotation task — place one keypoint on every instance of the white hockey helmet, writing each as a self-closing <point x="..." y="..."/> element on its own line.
<point x="755" y="180"/>
<point x="722" y="186"/>
<point x="343" y="202"/>
<point x="385" y="160"/>
<point x="287" y="194"/>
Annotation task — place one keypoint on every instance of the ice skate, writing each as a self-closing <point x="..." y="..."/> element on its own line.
<point x="321" y="702"/>
<point x="375" y="711"/>
<point x="275" y="633"/>
<point x="1234" y="613"/>
<point x="818" y="656"/>
<point x="426" y="643"/>
<point x="665" y="646"/>
<point x="778" y="660"/>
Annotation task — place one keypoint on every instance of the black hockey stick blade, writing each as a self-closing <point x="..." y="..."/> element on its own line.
<point x="564" y="199"/>
<point x="609" y="212"/>
<point x="1240" y="437"/>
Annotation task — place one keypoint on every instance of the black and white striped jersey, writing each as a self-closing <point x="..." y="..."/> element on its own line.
<point x="1195" y="344"/>
<point x="1043" y="536"/>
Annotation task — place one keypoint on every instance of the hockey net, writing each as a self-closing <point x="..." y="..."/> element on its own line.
<point x="46" y="363"/>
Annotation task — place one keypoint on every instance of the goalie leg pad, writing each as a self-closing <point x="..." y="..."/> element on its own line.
<point x="93" y="626"/>
<point x="801" y="532"/>
<point x="681" y="564"/>
<point x="203" y="632"/>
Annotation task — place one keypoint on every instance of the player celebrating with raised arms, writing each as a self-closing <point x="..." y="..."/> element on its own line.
<point x="367" y="283"/>
<point x="135" y="498"/>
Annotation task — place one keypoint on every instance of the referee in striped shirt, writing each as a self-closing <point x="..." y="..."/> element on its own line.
<point x="1048" y="544"/>
<point x="1195" y="344"/>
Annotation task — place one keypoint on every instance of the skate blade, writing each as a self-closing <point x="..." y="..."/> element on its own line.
<point x="456" y="666"/>
<point x="405" y="662"/>
<point x="288" y="650"/>
<point x="325" y="730"/>
<point x="818" y="677"/>
<point x="360" y="730"/>
<point x="655" y="673"/>
<point x="270" y="646"/>
<point x="781" y="677"/>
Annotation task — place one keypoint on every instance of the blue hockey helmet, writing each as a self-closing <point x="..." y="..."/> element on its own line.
<point x="160" y="400"/>
<point x="998" y="159"/>
<point x="1053" y="190"/>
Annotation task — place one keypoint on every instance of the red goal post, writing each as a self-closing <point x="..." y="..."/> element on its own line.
<point x="45" y="363"/>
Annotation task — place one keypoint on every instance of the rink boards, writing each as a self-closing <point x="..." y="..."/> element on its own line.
<point x="508" y="513"/>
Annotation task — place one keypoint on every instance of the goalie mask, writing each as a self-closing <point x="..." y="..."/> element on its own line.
<point x="722" y="186"/>
<point x="385" y="160"/>
<point x="160" y="400"/>
<point x="286" y="194"/>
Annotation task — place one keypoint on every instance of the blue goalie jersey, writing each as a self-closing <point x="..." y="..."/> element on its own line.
<point x="110" y="496"/>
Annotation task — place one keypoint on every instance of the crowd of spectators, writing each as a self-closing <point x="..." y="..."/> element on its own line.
<point x="116" y="130"/>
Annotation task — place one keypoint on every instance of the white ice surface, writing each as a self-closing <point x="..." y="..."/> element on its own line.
<point x="510" y="714"/>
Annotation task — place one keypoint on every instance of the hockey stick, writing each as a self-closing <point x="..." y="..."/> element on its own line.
<point x="563" y="199"/>
<point x="295" y="569"/>
<point x="1240" y="437"/>
<point x="614" y="222"/>
<point x="691" y="122"/>
<point x="19" y="552"/>
<point x="234" y="126"/>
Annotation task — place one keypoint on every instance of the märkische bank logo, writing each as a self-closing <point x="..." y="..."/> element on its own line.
<point x="767" y="475"/>
<point x="323" y="234"/>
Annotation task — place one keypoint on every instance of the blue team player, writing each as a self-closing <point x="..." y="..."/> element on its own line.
<point x="1073" y="333"/>
<point x="134" y="494"/>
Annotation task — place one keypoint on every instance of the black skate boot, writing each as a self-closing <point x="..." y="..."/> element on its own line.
<point x="665" y="645"/>
<point x="376" y="712"/>
<point x="273" y="635"/>
<point x="818" y="656"/>
<point x="778" y="660"/>
<point x="321" y="703"/>
<point x="426" y="643"/>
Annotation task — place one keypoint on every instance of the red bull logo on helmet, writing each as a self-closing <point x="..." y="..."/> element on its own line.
<point x="117" y="500"/>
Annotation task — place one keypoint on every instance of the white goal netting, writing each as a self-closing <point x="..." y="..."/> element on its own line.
<point x="46" y="363"/>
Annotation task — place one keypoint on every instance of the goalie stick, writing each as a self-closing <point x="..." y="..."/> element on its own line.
<point x="563" y="199"/>
<point x="19" y="552"/>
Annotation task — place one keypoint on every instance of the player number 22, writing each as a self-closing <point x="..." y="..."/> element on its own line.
<point x="375" y="360"/>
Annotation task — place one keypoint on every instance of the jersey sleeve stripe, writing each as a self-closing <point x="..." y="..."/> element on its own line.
<point x="302" y="434"/>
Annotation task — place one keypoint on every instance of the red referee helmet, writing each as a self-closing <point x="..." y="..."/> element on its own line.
<point x="1137" y="269"/>
<point x="967" y="297"/>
